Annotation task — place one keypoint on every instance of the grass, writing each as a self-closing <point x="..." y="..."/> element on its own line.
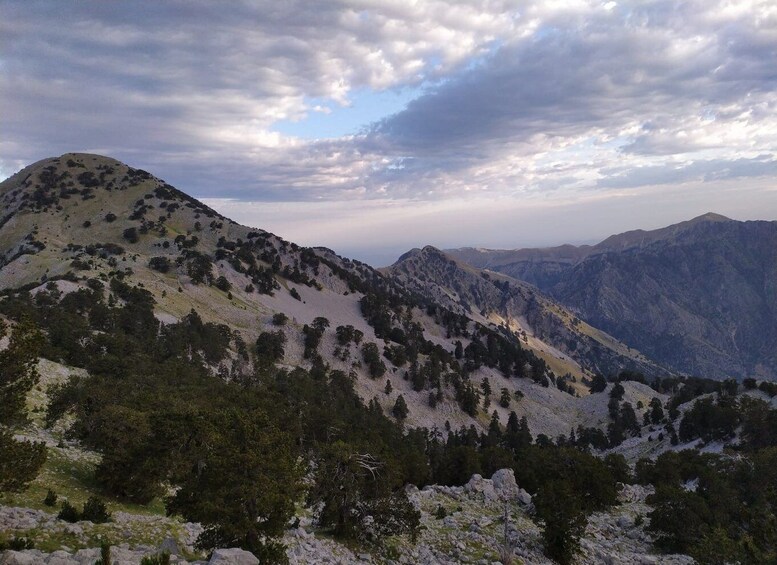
<point x="69" y="472"/>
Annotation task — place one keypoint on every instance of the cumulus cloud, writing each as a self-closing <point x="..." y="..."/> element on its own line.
<point x="203" y="82"/>
<point x="633" y="85"/>
<point x="544" y="100"/>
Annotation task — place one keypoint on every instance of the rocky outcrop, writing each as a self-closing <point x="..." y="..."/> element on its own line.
<point x="482" y="522"/>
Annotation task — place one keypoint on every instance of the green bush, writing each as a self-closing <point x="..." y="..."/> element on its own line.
<point x="131" y="235"/>
<point x="105" y="555"/>
<point x="161" y="264"/>
<point x="17" y="544"/>
<point x="69" y="513"/>
<point x="51" y="498"/>
<point x="95" y="511"/>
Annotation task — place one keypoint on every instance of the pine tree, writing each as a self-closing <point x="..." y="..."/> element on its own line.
<point x="563" y="519"/>
<point x="18" y="371"/>
<point x="20" y="461"/>
<point x="244" y="485"/>
<point x="400" y="410"/>
<point x="504" y="399"/>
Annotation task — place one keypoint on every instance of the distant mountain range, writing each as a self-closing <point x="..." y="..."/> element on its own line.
<point x="699" y="297"/>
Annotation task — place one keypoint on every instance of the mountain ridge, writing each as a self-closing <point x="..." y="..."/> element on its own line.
<point x="80" y="217"/>
<point x="697" y="296"/>
<point x="522" y="308"/>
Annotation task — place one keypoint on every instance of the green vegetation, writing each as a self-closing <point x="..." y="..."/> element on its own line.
<point x="718" y="508"/>
<point x="20" y="461"/>
<point x="93" y="510"/>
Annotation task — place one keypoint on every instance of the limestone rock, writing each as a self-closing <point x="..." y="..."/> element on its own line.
<point x="504" y="483"/>
<point x="169" y="545"/>
<point x="233" y="556"/>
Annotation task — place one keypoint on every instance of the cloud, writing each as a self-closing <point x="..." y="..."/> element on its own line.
<point x="203" y="83"/>
<point x="537" y="101"/>
<point x="637" y="85"/>
<point x="711" y="170"/>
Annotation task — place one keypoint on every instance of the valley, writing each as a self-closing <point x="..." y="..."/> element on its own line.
<point x="181" y="388"/>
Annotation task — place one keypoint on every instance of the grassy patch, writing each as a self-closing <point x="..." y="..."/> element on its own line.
<point x="69" y="472"/>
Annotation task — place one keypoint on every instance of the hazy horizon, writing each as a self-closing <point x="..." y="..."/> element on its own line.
<point x="374" y="127"/>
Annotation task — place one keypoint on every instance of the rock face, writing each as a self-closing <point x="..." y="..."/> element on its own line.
<point x="699" y="297"/>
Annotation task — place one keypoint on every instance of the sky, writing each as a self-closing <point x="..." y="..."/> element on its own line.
<point x="375" y="126"/>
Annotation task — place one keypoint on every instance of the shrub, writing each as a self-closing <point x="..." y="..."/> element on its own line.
<point x="131" y="235"/>
<point x="223" y="284"/>
<point x="68" y="513"/>
<point x="95" y="511"/>
<point x="51" y="498"/>
<point x="105" y="555"/>
<point x="280" y="319"/>
<point x="110" y="217"/>
<point x="295" y="294"/>
<point x="161" y="264"/>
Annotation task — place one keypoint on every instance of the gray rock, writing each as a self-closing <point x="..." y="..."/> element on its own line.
<point x="479" y="485"/>
<point x="625" y="522"/>
<point x="87" y="556"/>
<point x="74" y="529"/>
<point x="233" y="556"/>
<point x="504" y="482"/>
<point x="523" y="497"/>
<point x="18" y="558"/>
<point x="61" y="558"/>
<point x="169" y="545"/>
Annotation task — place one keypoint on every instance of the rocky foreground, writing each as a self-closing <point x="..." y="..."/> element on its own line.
<point x="485" y="521"/>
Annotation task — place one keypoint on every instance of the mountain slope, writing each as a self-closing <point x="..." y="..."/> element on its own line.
<point x="81" y="220"/>
<point x="699" y="296"/>
<point x="574" y="346"/>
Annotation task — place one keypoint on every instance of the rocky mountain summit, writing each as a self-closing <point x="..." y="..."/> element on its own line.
<point x="698" y="297"/>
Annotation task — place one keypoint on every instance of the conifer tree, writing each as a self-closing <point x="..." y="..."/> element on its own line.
<point x="400" y="410"/>
<point x="19" y="460"/>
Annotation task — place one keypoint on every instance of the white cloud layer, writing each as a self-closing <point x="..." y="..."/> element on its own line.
<point x="532" y="103"/>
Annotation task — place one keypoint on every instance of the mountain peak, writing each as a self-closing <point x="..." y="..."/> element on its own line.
<point x="709" y="217"/>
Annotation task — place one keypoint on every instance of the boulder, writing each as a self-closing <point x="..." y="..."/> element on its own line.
<point x="523" y="497"/>
<point x="87" y="556"/>
<point x="504" y="483"/>
<point x="233" y="556"/>
<point x="169" y="545"/>
<point x="18" y="558"/>
<point x="478" y="485"/>
<point x="61" y="558"/>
